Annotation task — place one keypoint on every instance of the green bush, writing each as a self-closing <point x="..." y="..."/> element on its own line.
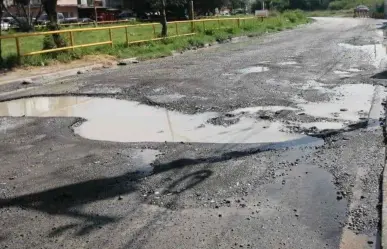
<point x="48" y="42"/>
<point x="337" y="5"/>
<point x="291" y="16"/>
<point x="209" y="32"/>
<point x="232" y="31"/>
<point x="195" y="42"/>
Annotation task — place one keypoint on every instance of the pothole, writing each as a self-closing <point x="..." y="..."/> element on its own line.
<point x="128" y="121"/>
<point x="348" y="102"/>
<point x="287" y="63"/>
<point x="256" y="69"/>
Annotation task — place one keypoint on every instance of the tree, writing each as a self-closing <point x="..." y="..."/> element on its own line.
<point x="1" y="18"/>
<point x="161" y="6"/>
<point x="23" y="15"/>
<point x="49" y="7"/>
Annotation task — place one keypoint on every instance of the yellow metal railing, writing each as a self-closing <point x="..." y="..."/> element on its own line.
<point x="110" y="41"/>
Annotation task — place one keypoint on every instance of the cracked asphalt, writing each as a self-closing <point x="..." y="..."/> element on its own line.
<point x="61" y="190"/>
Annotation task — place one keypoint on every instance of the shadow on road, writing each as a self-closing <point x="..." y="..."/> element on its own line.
<point x="380" y="76"/>
<point x="64" y="200"/>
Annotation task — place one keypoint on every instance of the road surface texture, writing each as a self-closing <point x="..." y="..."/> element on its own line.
<point x="273" y="142"/>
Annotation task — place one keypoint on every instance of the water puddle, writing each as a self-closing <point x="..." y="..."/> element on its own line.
<point x="323" y="125"/>
<point x="354" y="70"/>
<point x="127" y="121"/>
<point x="349" y="102"/>
<point x="255" y="109"/>
<point x="286" y="63"/>
<point x="257" y="69"/>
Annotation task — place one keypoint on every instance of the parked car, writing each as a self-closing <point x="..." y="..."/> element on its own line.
<point x="70" y="20"/>
<point x="86" y="20"/>
<point x="43" y="19"/>
<point x="5" y="26"/>
<point x="126" y="16"/>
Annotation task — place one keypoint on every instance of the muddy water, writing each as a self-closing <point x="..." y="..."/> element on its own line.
<point x="128" y="121"/>
<point x="348" y="102"/>
<point x="257" y="69"/>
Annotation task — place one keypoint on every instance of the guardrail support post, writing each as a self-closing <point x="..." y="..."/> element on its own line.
<point x="154" y="31"/>
<point x="177" y="28"/>
<point x="71" y="40"/>
<point x="111" y="37"/>
<point x="127" y="36"/>
<point x="219" y="23"/>
<point x="204" y="26"/>
<point x="17" y="47"/>
<point x="239" y="22"/>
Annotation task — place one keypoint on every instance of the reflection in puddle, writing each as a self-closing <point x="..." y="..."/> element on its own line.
<point x="285" y="63"/>
<point x="347" y="103"/>
<point x="323" y="125"/>
<point x="257" y="69"/>
<point x="128" y="121"/>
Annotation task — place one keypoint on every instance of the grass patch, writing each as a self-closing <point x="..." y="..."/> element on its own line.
<point x="207" y="32"/>
<point x="333" y="13"/>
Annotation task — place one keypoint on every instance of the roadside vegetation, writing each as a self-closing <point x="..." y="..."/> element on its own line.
<point x="147" y="50"/>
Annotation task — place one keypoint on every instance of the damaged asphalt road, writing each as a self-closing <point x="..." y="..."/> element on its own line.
<point x="274" y="142"/>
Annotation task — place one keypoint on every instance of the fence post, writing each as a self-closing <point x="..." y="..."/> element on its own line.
<point x="192" y="26"/>
<point x="111" y="37"/>
<point x="17" y="47"/>
<point x="177" y="29"/>
<point x="239" y="23"/>
<point x="154" y="30"/>
<point x="127" y="36"/>
<point x="72" y="40"/>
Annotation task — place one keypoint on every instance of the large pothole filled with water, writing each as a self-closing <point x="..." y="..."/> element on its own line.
<point x="110" y="119"/>
<point x="128" y="121"/>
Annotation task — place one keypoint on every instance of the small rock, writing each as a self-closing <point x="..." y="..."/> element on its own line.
<point x="370" y="242"/>
<point x="283" y="182"/>
<point x="297" y="215"/>
<point x="135" y="61"/>
<point x="339" y="197"/>
<point x="265" y="116"/>
<point x="220" y="215"/>
<point x="80" y="72"/>
<point x="27" y="82"/>
<point x="362" y="197"/>
<point x="12" y="178"/>
<point x="122" y="63"/>
<point x="120" y="198"/>
<point x="343" y="109"/>
<point x="242" y="205"/>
